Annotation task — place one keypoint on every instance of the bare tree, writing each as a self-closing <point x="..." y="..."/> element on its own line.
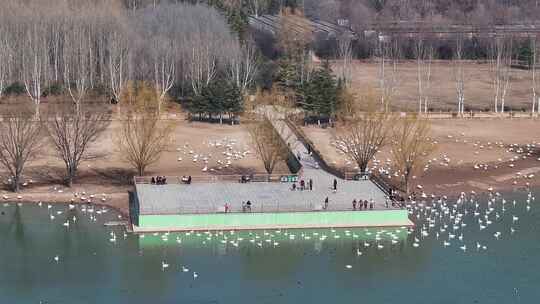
<point x="21" y="139"/>
<point x="6" y="56"/>
<point x="202" y="62"/>
<point x="424" y="53"/>
<point x="77" y="64"/>
<point x="118" y="60"/>
<point x="268" y="143"/>
<point x="361" y="137"/>
<point x="411" y="147"/>
<point x="294" y="36"/>
<point x="389" y="54"/>
<point x="143" y="135"/>
<point x="500" y="68"/>
<point x="257" y="7"/>
<point x="164" y="57"/>
<point x="34" y="59"/>
<point x="459" y="73"/>
<point x="72" y="131"/>
<point x="345" y="55"/>
<point x="243" y="65"/>
<point x="534" y="74"/>
<point x="55" y="29"/>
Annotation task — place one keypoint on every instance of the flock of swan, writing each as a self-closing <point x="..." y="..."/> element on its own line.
<point x="450" y="222"/>
<point x="507" y="155"/>
<point x="226" y="151"/>
<point x="461" y="223"/>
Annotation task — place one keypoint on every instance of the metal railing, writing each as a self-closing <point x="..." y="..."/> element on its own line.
<point x="221" y="178"/>
<point x="262" y="208"/>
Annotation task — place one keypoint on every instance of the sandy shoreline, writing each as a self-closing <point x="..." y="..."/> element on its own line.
<point x="116" y="197"/>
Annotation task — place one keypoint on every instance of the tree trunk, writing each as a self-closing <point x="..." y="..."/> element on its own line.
<point x="71" y="173"/>
<point x="362" y="167"/>
<point x="15" y="184"/>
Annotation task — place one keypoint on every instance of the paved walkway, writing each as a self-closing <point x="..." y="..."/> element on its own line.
<point x="265" y="197"/>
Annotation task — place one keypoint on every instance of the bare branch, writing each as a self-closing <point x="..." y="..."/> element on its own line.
<point x="72" y="131"/>
<point x="21" y="139"/>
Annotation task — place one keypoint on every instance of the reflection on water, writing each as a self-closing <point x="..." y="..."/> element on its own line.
<point x="273" y="266"/>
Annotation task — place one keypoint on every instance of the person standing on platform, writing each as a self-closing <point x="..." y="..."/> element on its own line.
<point x="326" y="203"/>
<point x="335" y="185"/>
<point x="310" y="184"/>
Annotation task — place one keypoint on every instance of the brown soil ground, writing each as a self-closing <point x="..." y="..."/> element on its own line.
<point x="478" y="91"/>
<point x="108" y="172"/>
<point x="464" y="149"/>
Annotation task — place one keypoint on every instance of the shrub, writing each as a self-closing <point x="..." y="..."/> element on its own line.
<point x="15" y="88"/>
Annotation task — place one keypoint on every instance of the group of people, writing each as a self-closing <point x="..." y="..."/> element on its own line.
<point x="303" y="185"/>
<point x="359" y="204"/>
<point x="159" y="180"/>
<point x="186" y="179"/>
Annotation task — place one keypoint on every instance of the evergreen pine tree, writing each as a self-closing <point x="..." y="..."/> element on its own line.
<point x="287" y="75"/>
<point x="233" y="101"/>
<point x="319" y="95"/>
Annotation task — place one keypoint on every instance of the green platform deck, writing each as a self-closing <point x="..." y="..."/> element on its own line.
<point x="249" y="221"/>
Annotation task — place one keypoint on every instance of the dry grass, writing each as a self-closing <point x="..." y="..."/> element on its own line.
<point x="478" y="92"/>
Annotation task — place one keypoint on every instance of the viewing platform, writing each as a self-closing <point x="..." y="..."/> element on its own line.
<point x="200" y="205"/>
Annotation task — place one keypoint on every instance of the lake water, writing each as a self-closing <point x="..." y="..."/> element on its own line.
<point x="314" y="266"/>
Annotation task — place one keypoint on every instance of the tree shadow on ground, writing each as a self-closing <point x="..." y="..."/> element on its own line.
<point x="111" y="176"/>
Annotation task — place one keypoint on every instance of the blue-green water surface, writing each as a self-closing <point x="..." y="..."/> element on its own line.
<point x="98" y="264"/>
